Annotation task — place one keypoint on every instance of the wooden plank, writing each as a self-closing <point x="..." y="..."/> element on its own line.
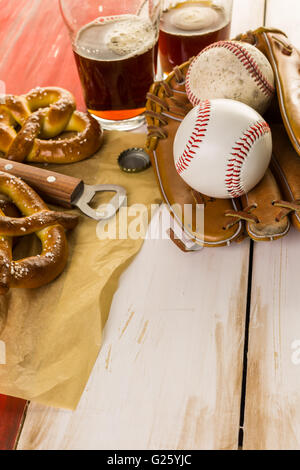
<point x="247" y="15"/>
<point x="11" y="415"/>
<point x="170" y="370"/>
<point x="285" y="16"/>
<point x="29" y="50"/>
<point x="272" y="412"/>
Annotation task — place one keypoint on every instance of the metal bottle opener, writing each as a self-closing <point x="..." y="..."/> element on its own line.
<point x="67" y="191"/>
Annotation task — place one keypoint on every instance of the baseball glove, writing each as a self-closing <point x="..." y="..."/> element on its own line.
<point x="266" y="212"/>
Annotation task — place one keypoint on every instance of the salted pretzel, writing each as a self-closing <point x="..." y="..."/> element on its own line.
<point x="49" y="227"/>
<point x="34" y="127"/>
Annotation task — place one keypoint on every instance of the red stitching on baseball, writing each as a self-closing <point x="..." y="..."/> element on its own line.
<point x="191" y="96"/>
<point x="245" y="58"/>
<point x="238" y="156"/>
<point x="196" y="136"/>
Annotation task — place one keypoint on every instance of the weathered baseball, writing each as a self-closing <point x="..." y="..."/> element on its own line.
<point x="232" y="70"/>
<point x="222" y="148"/>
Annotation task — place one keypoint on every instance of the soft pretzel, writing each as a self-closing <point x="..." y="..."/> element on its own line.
<point x="49" y="226"/>
<point x="30" y="126"/>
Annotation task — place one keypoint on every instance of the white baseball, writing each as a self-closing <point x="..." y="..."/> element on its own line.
<point x="232" y="70"/>
<point x="222" y="148"/>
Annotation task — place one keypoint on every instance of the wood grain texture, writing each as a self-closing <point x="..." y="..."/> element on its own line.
<point x="31" y="53"/>
<point x="35" y="46"/>
<point x="169" y="373"/>
<point x="272" y="413"/>
<point x="170" y="370"/>
<point x="246" y="15"/>
<point x="285" y="16"/>
<point x="61" y="190"/>
<point x="11" y="415"/>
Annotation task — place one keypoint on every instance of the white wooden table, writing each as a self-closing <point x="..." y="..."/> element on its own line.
<point x="187" y="362"/>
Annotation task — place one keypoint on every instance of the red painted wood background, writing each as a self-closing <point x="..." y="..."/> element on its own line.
<point x="12" y="411"/>
<point x="35" y="47"/>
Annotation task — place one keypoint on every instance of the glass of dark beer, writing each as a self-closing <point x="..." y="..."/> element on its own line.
<point x="115" y="44"/>
<point x="188" y="26"/>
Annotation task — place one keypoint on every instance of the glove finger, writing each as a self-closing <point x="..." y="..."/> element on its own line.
<point x="259" y="202"/>
<point x="285" y="61"/>
<point x="286" y="167"/>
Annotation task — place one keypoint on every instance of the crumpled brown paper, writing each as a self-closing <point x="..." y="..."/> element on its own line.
<point x="52" y="335"/>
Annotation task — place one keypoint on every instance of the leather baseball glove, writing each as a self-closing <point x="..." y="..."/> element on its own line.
<point x="266" y="212"/>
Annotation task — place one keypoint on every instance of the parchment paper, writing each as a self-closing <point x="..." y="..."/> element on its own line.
<point x="52" y="335"/>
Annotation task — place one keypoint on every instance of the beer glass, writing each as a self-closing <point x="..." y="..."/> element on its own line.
<point x="188" y="26"/>
<point x="115" y="44"/>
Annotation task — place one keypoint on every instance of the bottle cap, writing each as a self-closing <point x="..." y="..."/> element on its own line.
<point x="134" y="160"/>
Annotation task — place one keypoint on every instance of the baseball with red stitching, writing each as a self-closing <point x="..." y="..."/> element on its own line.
<point x="232" y="70"/>
<point x="222" y="148"/>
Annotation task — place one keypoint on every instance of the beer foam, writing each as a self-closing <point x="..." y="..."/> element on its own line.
<point x="130" y="36"/>
<point x="194" y="18"/>
<point x="189" y="19"/>
<point x="115" y="37"/>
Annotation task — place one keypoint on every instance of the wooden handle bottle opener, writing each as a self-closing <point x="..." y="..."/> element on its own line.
<point x="67" y="190"/>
